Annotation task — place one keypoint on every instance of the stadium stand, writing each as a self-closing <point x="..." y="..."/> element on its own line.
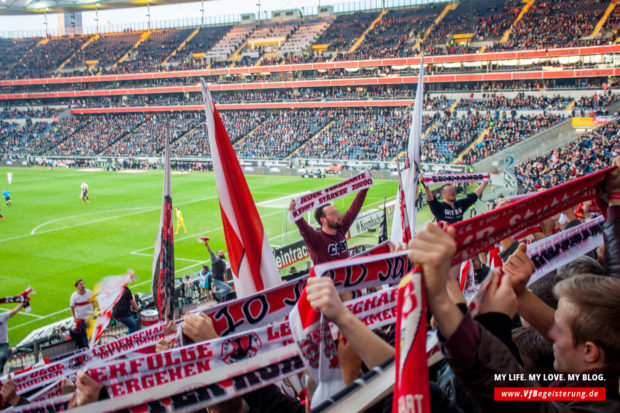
<point x="281" y="133"/>
<point x="198" y="45"/>
<point x="589" y="153"/>
<point x="346" y="29"/>
<point x="150" y="54"/>
<point x="360" y="134"/>
<point x="230" y="42"/>
<point x="521" y="101"/>
<point x="102" y="131"/>
<point x="472" y="21"/>
<point x="102" y="53"/>
<point x="451" y="134"/>
<point x="17" y="138"/>
<point x="303" y="37"/>
<point x="11" y="51"/>
<point x="43" y="59"/>
<point x="146" y="138"/>
<point x="394" y="34"/>
<point x="566" y="23"/>
<point x="506" y="131"/>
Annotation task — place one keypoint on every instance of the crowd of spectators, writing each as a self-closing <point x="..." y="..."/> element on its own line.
<point x="16" y="138"/>
<point x="148" y="139"/>
<point x="586" y="154"/>
<point x="506" y="131"/>
<point x="492" y="101"/>
<point x="267" y="95"/>
<point x="101" y="132"/>
<point x="555" y="23"/>
<point x="346" y="29"/>
<point x="106" y="50"/>
<point x="567" y="24"/>
<point x="595" y="104"/>
<point x="11" y="50"/>
<point x="151" y="53"/>
<point x="361" y="134"/>
<point x="238" y="124"/>
<point x="451" y="134"/>
<point x="39" y="112"/>
<point x="45" y="58"/>
<point x="202" y="42"/>
<point x="484" y="19"/>
<point x="394" y="34"/>
<point x="282" y="132"/>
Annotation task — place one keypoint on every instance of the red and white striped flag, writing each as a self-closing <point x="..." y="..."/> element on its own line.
<point x="408" y="187"/>
<point x="253" y="264"/>
<point x="162" y="283"/>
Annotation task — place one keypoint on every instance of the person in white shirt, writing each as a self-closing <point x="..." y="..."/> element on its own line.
<point x="84" y="193"/>
<point x="81" y="306"/>
<point x="9" y="177"/>
<point x="4" y="335"/>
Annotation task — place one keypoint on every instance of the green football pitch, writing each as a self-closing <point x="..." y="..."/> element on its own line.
<point x="49" y="239"/>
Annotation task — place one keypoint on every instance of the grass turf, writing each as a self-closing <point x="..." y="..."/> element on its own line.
<point x="49" y="239"/>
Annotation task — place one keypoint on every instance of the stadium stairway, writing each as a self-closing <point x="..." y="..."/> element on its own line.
<point x="181" y="46"/>
<point x="250" y="133"/>
<point x="478" y="139"/>
<point x="86" y="43"/>
<point x="368" y="29"/>
<point x="48" y="150"/>
<point x="294" y="151"/>
<point x="526" y="7"/>
<point x="604" y="17"/>
<point x="190" y="128"/>
<point x="142" y="38"/>
<point x="538" y="144"/>
<point x="427" y="131"/>
<point x="439" y="18"/>
<point x="121" y="137"/>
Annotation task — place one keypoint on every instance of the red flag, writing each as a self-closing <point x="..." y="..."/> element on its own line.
<point x="162" y="282"/>
<point x="411" y="389"/>
<point x="252" y="262"/>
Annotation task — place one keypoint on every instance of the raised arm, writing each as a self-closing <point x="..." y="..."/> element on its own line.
<point x="533" y="310"/>
<point x="306" y="231"/>
<point x="323" y="297"/>
<point x="206" y="242"/>
<point x="16" y="310"/>
<point x="480" y="189"/>
<point x="429" y="194"/>
<point x="354" y="209"/>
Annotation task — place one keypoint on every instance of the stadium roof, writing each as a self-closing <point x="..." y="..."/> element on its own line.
<point x="62" y="6"/>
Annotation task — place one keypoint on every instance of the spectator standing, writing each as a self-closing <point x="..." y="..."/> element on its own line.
<point x="188" y="290"/>
<point x="218" y="274"/>
<point x="4" y="335"/>
<point x="81" y="306"/>
<point x="329" y="242"/>
<point x="122" y="310"/>
<point x="204" y="282"/>
<point x="452" y="210"/>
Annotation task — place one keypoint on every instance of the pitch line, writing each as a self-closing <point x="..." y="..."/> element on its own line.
<point x="22" y="313"/>
<point x="42" y="317"/>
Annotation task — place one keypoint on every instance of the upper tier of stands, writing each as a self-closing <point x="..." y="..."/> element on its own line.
<point x="470" y="26"/>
